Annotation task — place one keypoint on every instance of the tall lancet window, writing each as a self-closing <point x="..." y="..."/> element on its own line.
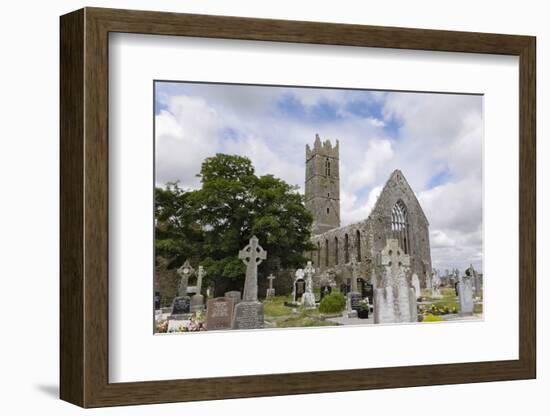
<point x="327" y="167"/>
<point x="400" y="225"/>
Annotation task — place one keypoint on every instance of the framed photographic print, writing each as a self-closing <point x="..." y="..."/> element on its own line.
<point x="255" y="207"/>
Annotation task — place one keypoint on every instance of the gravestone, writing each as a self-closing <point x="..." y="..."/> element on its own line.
<point x="185" y="272"/>
<point x="353" y="296"/>
<point x="197" y="300"/>
<point x="476" y="281"/>
<point x="299" y="289"/>
<point x="354" y="300"/>
<point x="415" y="283"/>
<point x="465" y="296"/>
<point x="157" y="300"/>
<point x="299" y="286"/>
<point x="181" y="305"/>
<point x="249" y="314"/>
<point x="394" y="301"/>
<point x="436" y="283"/>
<point x="308" y="298"/>
<point x="270" y="291"/>
<point x="325" y="290"/>
<point x="234" y="295"/>
<point x="219" y="314"/>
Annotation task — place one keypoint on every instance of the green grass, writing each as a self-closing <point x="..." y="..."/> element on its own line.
<point x="478" y="308"/>
<point x="275" y="307"/>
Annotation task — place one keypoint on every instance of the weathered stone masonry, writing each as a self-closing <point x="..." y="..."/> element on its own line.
<point x="396" y="214"/>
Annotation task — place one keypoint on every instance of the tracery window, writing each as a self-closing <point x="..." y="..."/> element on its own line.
<point x="400" y="225"/>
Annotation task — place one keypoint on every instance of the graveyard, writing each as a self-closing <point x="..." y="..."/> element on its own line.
<point x="318" y="302"/>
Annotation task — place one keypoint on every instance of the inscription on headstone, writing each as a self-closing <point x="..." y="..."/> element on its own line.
<point x="248" y="315"/>
<point x="219" y="314"/>
<point x="181" y="305"/>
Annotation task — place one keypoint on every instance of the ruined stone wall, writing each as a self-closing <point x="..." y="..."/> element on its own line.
<point x="365" y="239"/>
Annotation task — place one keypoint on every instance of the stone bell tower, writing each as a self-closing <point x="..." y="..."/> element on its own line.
<point x="322" y="196"/>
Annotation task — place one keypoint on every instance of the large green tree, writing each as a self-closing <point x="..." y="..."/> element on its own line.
<point x="210" y="225"/>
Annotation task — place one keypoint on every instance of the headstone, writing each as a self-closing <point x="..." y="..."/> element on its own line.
<point x="185" y="272"/>
<point x="416" y="285"/>
<point x="354" y="275"/>
<point x="249" y="314"/>
<point x="354" y="300"/>
<point x="394" y="301"/>
<point x="436" y="283"/>
<point x="181" y="306"/>
<point x="299" y="286"/>
<point x="465" y="296"/>
<point x="308" y="298"/>
<point x="270" y="291"/>
<point x="234" y="295"/>
<point x="477" y="283"/>
<point x="197" y="300"/>
<point x="300" y="289"/>
<point x="157" y="300"/>
<point x="219" y="314"/>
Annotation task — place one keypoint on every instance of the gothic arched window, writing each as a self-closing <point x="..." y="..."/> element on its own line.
<point x="335" y="250"/>
<point x="326" y="253"/>
<point x="400" y="225"/>
<point x="346" y="249"/>
<point x="327" y="167"/>
<point x="318" y="254"/>
<point x="358" y="244"/>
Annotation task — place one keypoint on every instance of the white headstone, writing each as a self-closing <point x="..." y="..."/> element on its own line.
<point x="466" y="296"/>
<point x="394" y="301"/>
<point x="416" y="285"/>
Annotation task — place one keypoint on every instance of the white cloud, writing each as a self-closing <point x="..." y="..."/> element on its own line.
<point x="423" y="135"/>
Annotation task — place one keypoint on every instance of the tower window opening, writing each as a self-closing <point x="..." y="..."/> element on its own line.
<point x="327" y="167"/>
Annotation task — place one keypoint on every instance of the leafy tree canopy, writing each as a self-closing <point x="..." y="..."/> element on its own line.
<point x="210" y="225"/>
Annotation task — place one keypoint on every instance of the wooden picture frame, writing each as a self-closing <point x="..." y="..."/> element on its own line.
<point x="84" y="207"/>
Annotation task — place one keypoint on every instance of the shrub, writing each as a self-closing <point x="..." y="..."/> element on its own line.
<point x="333" y="303"/>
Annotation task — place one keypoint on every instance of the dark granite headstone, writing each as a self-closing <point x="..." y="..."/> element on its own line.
<point x="325" y="290"/>
<point x="299" y="289"/>
<point x="355" y="299"/>
<point x="157" y="300"/>
<point x="248" y="315"/>
<point x="219" y="313"/>
<point x="181" y="305"/>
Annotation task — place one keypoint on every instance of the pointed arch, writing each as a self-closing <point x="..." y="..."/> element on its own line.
<point x="358" y="244"/>
<point x="346" y="249"/>
<point x="400" y="225"/>
<point x="326" y="253"/>
<point x="336" y="250"/>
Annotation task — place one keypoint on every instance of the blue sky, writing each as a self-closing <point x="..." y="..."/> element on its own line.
<point x="434" y="139"/>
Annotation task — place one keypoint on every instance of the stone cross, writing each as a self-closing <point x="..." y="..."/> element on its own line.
<point x="201" y="273"/>
<point x="252" y="256"/>
<point x="270" y="278"/>
<point x="309" y="270"/>
<point x="185" y="271"/>
<point x="354" y="274"/>
<point x="393" y="258"/>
